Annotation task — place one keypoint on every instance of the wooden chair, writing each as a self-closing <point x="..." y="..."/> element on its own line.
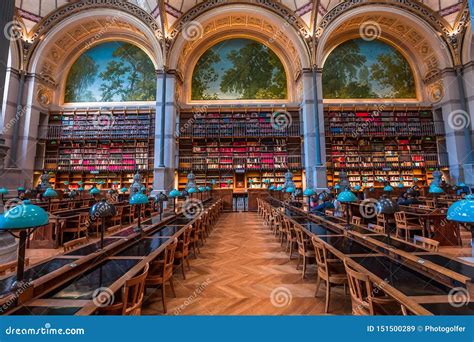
<point x="403" y="225"/>
<point x="426" y="243"/>
<point x="356" y="220"/>
<point x="132" y="296"/>
<point x="117" y="219"/>
<point x="329" y="212"/>
<point x="182" y="250"/>
<point x="376" y="228"/>
<point x="329" y="270"/>
<point x="367" y="300"/>
<point x="161" y="271"/>
<point x="53" y="207"/>
<point x="305" y="249"/>
<point x="430" y="203"/>
<point x="10" y="267"/>
<point x="70" y="245"/>
<point x="291" y="241"/>
<point x="81" y="226"/>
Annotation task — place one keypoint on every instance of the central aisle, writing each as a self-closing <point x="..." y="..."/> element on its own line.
<point x="242" y="270"/>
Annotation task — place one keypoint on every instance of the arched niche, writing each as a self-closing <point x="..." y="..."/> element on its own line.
<point x="239" y="21"/>
<point x="419" y="43"/>
<point x="71" y="37"/>
<point x="102" y="74"/>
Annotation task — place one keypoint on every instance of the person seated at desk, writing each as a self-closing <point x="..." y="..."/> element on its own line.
<point x="403" y="199"/>
<point x="327" y="204"/>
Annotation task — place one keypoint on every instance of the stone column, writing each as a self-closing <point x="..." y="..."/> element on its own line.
<point x="165" y="144"/>
<point x="312" y="113"/>
<point x="455" y="120"/>
<point x="8" y="244"/>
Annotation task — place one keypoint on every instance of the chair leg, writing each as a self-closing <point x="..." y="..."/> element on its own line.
<point x="187" y="262"/>
<point x="172" y="287"/>
<point x="291" y="249"/>
<point x="328" y="296"/>
<point x="304" y="267"/>
<point x="299" y="261"/>
<point x="182" y="269"/>
<point x="163" y="297"/>
<point x="318" y="284"/>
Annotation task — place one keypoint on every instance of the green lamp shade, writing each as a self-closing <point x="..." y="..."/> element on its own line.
<point x="114" y="182"/>
<point x="139" y="198"/>
<point x="400" y="185"/>
<point x="174" y="193"/>
<point x="272" y="187"/>
<point x="213" y="182"/>
<point x="192" y="190"/>
<point x="434" y="189"/>
<point x="346" y="197"/>
<point x="123" y="190"/>
<point x="309" y="192"/>
<point x="80" y="183"/>
<point x="208" y="188"/>
<point x="81" y="189"/>
<point x="290" y="190"/>
<point x="3" y="191"/>
<point x="415" y="179"/>
<point x="21" y="188"/>
<point x="66" y="183"/>
<point x="50" y="193"/>
<point x="388" y="188"/>
<point x="279" y="188"/>
<point x="461" y="185"/>
<point x="337" y="187"/>
<point x="94" y="191"/>
<point x="462" y="211"/>
<point x="202" y="189"/>
<point x="357" y="187"/>
<point x="101" y="182"/>
<point x="23" y="216"/>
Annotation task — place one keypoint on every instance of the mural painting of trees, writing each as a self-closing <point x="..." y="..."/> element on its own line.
<point x="112" y="72"/>
<point x="239" y="69"/>
<point x="367" y="69"/>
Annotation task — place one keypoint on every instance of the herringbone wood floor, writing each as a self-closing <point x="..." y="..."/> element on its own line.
<point x="243" y="270"/>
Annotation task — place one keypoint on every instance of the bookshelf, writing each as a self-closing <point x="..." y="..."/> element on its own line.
<point x="395" y="144"/>
<point x="244" y="147"/>
<point x="92" y="145"/>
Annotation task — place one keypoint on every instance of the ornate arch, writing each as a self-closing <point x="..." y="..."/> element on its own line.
<point x="68" y="11"/>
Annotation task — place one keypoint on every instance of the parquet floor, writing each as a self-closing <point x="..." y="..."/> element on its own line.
<point x="242" y="270"/>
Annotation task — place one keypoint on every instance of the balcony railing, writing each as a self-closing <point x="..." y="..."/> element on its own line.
<point x="56" y="132"/>
<point x="240" y="163"/>
<point x="364" y="128"/>
<point x="237" y="129"/>
<point x="53" y="164"/>
<point x="402" y="161"/>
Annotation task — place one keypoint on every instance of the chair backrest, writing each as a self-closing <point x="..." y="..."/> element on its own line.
<point x="300" y="238"/>
<point x="54" y="206"/>
<point x="426" y="243"/>
<point x="83" y="220"/>
<point x="169" y="259"/>
<point x="360" y="288"/>
<point x="133" y="293"/>
<point x="11" y="266"/>
<point x="400" y="219"/>
<point x="356" y="220"/>
<point x="430" y="203"/>
<point x="75" y="243"/>
<point x="376" y="228"/>
<point x="321" y="257"/>
<point x="186" y="239"/>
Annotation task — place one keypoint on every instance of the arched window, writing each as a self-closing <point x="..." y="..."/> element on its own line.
<point x="111" y="72"/>
<point x="360" y="69"/>
<point x="239" y="69"/>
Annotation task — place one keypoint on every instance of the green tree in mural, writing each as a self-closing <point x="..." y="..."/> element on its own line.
<point x="256" y="73"/>
<point x="393" y="72"/>
<point x="342" y="70"/>
<point x="131" y="76"/>
<point x="204" y="75"/>
<point x="81" y="77"/>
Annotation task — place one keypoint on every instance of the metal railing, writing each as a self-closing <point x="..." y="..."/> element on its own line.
<point x="57" y="132"/>
<point x="400" y="161"/>
<point x="54" y="164"/>
<point x="237" y="129"/>
<point x="364" y="128"/>
<point x="240" y="163"/>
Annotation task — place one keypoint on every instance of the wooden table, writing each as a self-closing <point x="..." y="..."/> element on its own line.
<point x="396" y="266"/>
<point x="67" y="282"/>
